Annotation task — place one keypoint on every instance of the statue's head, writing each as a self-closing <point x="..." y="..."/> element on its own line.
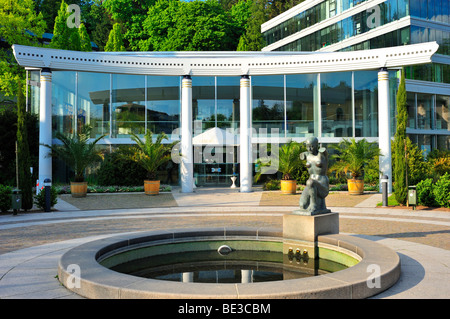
<point x="312" y="144"/>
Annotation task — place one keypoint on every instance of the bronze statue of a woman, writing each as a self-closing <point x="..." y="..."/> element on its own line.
<point x="312" y="200"/>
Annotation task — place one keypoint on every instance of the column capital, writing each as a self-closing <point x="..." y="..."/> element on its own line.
<point x="245" y="77"/>
<point x="383" y="69"/>
<point x="46" y="70"/>
<point x="187" y="77"/>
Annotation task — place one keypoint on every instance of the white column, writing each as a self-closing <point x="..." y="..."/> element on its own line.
<point x="246" y="276"/>
<point x="188" y="277"/>
<point x="245" y="148"/>
<point x="384" y="126"/>
<point x="187" y="166"/>
<point x="45" y="126"/>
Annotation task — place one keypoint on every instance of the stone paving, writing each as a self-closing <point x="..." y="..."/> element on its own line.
<point x="420" y="237"/>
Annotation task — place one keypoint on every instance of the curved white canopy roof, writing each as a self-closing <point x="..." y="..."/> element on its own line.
<point x="223" y="63"/>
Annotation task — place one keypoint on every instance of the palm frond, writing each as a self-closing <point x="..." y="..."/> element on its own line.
<point x="76" y="150"/>
<point x="149" y="154"/>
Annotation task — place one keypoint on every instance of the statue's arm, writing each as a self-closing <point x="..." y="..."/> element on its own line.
<point x="323" y="150"/>
<point x="303" y="155"/>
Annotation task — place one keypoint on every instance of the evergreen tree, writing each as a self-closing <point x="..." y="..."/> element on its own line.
<point x="399" y="144"/>
<point x="98" y="24"/>
<point x="115" y="41"/>
<point x="61" y="32"/>
<point x="252" y="39"/>
<point x="23" y="152"/>
<point x="85" y="41"/>
<point x="69" y="38"/>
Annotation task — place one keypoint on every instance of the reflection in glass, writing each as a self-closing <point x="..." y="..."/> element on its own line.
<point x="425" y="142"/>
<point x="411" y="109"/>
<point x="442" y="112"/>
<point x="228" y="95"/>
<point x="35" y="92"/>
<point x="424" y="102"/>
<point x="366" y="103"/>
<point x="336" y="99"/>
<point x="128" y="105"/>
<point x="443" y="142"/>
<point x="93" y="102"/>
<point x="268" y="104"/>
<point x="301" y="105"/>
<point x="63" y="102"/>
<point x="163" y="104"/>
<point x="203" y="103"/>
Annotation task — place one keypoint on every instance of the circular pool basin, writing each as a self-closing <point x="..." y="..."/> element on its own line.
<point x="365" y="268"/>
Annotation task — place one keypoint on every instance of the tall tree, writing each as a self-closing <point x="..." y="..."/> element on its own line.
<point x="277" y="7"/>
<point x="115" y="41"/>
<point x="98" y="23"/>
<point x="85" y="41"/>
<point x="19" y="25"/>
<point x="64" y="37"/>
<point x="23" y="152"/>
<point x="252" y="39"/>
<point x="132" y="14"/>
<point x="69" y="37"/>
<point x="49" y="9"/>
<point x="399" y="144"/>
<point x="188" y="26"/>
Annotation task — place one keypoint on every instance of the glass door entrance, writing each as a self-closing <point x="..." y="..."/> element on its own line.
<point x="216" y="169"/>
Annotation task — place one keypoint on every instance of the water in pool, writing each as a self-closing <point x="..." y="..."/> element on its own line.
<point x="237" y="267"/>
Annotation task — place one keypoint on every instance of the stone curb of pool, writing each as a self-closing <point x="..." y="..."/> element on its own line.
<point x="98" y="282"/>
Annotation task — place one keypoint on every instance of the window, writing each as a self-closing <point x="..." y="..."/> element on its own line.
<point x="301" y="107"/>
<point x="442" y="112"/>
<point x="63" y="102"/>
<point x="336" y="99"/>
<point x="268" y="104"/>
<point x="93" y="102"/>
<point x="128" y="105"/>
<point x="366" y="103"/>
<point x="163" y="104"/>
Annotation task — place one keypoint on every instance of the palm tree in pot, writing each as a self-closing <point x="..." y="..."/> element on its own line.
<point x="287" y="162"/>
<point x="78" y="154"/>
<point x="352" y="157"/>
<point x="150" y="155"/>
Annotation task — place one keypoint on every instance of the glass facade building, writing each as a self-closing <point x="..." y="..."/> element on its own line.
<point x="227" y="109"/>
<point x="346" y="25"/>
<point x="282" y="106"/>
<point x="291" y="106"/>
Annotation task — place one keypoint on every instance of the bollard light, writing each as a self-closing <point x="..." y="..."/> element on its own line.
<point x="384" y="189"/>
<point x="48" y="200"/>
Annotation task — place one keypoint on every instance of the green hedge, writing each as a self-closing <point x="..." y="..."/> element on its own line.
<point x="5" y="198"/>
<point x="433" y="194"/>
<point x="120" y="172"/>
<point x="39" y="199"/>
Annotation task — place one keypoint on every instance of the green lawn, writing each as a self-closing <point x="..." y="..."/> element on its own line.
<point x="391" y="201"/>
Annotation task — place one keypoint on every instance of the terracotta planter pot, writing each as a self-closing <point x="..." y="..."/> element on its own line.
<point x="151" y="187"/>
<point x="288" y="186"/>
<point x="78" y="189"/>
<point x="355" y="186"/>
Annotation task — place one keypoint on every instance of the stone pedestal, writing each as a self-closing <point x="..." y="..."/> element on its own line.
<point x="300" y="233"/>
<point x="307" y="228"/>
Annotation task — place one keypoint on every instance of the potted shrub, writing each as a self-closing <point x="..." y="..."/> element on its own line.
<point x="150" y="155"/>
<point x="287" y="163"/>
<point x="352" y="157"/>
<point x="78" y="153"/>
